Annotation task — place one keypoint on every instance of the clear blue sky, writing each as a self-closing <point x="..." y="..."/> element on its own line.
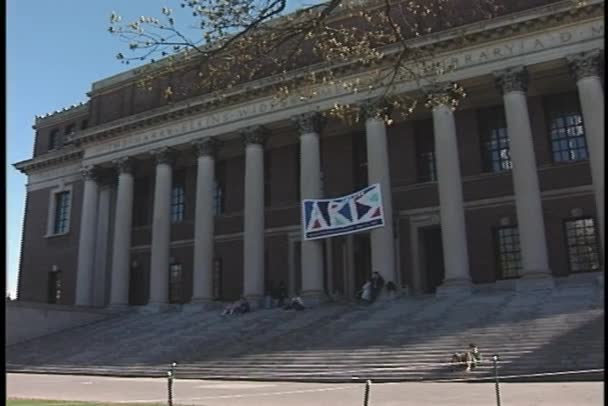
<point x="55" y="50"/>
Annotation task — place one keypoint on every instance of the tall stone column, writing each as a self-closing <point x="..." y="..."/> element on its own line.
<point x="86" y="242"/>
<point x="202" y="289"/>
<point x="451" y="207"/>
<point x="123" y="218"/>
<point x="528" y="206"/>
<point x="585" y="69"/>
<point x="309" y="126"/>
<point x="101" y="245"/>
<point x="253" y="233"/>
<point x="161" y="229"/>
<point x="382" y="239"/>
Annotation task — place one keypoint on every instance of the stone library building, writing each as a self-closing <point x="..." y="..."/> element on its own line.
<point x="136" y="200"/>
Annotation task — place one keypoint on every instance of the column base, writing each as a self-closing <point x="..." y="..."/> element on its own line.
<point x="454" y="287"/>
<point x="202" y="305"/>
<point x="156" y="308"/>
<point x="255" y="301"/>
<point x="119" y="308"/>
<point x="313" y="298"/>
<point x="535" y="280"/>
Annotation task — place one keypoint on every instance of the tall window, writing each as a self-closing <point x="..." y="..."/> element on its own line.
<point x="54" y="139"/>
<point x="509" y="252"/>
<point x="177" y="203"/>
<point x="583" y="250"/>
<point x="425" y="152"/>
<point x="494" y="140"/>
<point x="219" y="188"/>
<point x="62" y="211"/>
<point x="566" y="128"/>
<point x="175" y="283"/>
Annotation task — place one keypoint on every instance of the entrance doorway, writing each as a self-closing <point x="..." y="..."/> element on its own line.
<point x="432" y="258"/>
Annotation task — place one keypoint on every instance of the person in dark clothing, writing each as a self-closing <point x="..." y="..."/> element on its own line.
<point x="377" y="285"/>
<point x="281" y="293"/>
<point x="243" y="306"/>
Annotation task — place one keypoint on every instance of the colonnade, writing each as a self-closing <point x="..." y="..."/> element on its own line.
<point x="513" y="84"/>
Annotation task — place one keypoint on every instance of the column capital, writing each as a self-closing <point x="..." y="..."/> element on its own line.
<point x="255" y="135"/>
<point x="444" y="94"/>
<point x="89" y="173"/>
<point x="512" y="79"/>
<point x="206" y="146"/>
<point x="312" y="122"/>
<point x="124" y="165"/>
<point x="375" y="109"/>
<point x="584" y="64"/>
<point x="163" y="155"/>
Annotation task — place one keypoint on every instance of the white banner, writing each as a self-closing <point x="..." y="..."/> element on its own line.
<point x="362" y="210"/>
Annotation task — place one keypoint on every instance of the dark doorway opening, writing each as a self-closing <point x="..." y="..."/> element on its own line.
<point x="176" y="278"/>
<point x="54" y="287"/>
<point x="432" y="258"/>
<point x="137" y="285"/>
<point x="363" y="259"/>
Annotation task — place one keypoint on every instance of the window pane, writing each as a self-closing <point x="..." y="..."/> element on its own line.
<point x="509" y="253"/>
<point x="583" y="252"/>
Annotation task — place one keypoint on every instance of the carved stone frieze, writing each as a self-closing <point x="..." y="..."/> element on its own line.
<point x="206" y="146"/>
<point x="307" y="123"/>
<point x="512" y="79"/>
<point x="584" y="64"/>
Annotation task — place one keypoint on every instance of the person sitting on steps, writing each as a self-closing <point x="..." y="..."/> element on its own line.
<point x="295" y="303"/>
<point x="469" y="358"/>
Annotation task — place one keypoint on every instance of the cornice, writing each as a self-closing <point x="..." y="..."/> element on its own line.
<point x="523" y="22"/>
<point x="47" y="160"/>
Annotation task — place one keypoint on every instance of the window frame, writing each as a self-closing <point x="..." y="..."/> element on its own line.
<point x="487" y="119"/>
<point x="54" y="139"/>
<point x="596" y="243"/>
<point x="561" y="103"/>
<point x="426" y="161"/>
<point x="176" y="290"/>
<point x="52" y="211"/>
<point x="178" y="203"/>
<point x="498" y="253"/>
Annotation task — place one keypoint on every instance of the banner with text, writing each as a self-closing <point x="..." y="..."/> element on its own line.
<point x="362" y="210"/>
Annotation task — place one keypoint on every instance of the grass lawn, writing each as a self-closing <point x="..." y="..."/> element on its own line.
<point x="39" y="402"/>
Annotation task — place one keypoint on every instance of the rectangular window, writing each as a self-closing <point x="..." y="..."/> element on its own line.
<point x="177" y="204"/>
<point x="425" y="152"/>
<point x="566" y="131"/>
<point x="62" y="212"/>
<point x="54" y="139"/>
<point x="508" y="252"/>
<point x="360" y="160"/>
<point x="583" y="250"/>
<point x="219" y="188"/>
<point x="69" y="129"/>
<point x="494" y="140"/>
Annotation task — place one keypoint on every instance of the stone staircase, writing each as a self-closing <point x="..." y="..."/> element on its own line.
<point x="408" y="338"/>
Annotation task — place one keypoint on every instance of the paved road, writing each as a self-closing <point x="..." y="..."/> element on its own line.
<point x="240" y="393"/>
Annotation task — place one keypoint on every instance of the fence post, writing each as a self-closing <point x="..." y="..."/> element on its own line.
<point x="368" y="385"/>
<point x="495" y="358"/>
<point x="170" y="388"/>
